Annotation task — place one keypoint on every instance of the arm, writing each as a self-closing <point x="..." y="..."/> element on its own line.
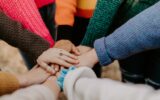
<point x="8" y="83"/>
<point x="64" y="17"/>
<point x="13" y="33"/>
<point x="82" y="84"/>
<point x="49" y="90"/>
<point x="36" y="92"/>
<point x="11" y="82"/>
<point x="138" y="34"/>
<point x="26" y="12"/>
<point x="101" y="20"/>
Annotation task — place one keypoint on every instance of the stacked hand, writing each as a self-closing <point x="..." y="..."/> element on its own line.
<point x="63" y="55"/>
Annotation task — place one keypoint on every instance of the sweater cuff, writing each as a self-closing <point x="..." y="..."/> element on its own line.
<point x="101" y="50"/>
<point x="72" y="78"/>
<point x="64" y="32"/>
<point x="9" y="83"/>
<point x="88" y="41"/>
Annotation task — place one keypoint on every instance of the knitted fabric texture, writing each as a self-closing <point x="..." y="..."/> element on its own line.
<point x="41" y="3"/>
<point x="66" y="10"/>
<point x="8" y="83"/>
<point x="103" y="15"/>
<point x="110" y="14"/>
<point x="13" y="33"/>
<point x="26" y="12"/>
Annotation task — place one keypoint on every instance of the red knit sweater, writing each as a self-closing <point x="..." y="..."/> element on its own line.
<point x="26" y="12"/>
<point x="41" y="3"/>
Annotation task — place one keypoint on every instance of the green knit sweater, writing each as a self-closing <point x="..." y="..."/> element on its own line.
<point x="110" y="14"/>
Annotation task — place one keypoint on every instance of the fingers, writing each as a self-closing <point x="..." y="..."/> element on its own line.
<point x="46" y="67"/>
<point x="69" y="60"/>
<point x="75" y="50"/>
<point x="62" y="62"/>
<point x="55" y="67"/>
<point x="69" y="54"/>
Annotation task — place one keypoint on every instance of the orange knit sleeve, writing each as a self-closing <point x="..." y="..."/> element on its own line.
<point x="65" y="11"/>
<point x="8" y="83"/>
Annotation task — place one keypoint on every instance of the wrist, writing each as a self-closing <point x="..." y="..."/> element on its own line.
<point x="23" y="81"/>
<point x="51" y="83"/>
<point x="94" y="56"/>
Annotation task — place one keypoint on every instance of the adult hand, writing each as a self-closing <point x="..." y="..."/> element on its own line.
<point x="36" y="75"/>
<point x="68" y="46"/>
<point x="83" y="49"/>
<point x="88" y="59"/>
<point x="56" y="56"/>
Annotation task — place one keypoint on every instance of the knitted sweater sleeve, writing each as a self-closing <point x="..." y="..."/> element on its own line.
<point x="8" y="83"/>
<point x="64" y="17"/>
<point x="13" y="33"/>
<point x="101" y="20"/>
<point x="140" y="33"/>
<point x="65" y="11"/>
<point x="26" y="12"/>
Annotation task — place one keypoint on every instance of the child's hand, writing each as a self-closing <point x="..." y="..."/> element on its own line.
<point x="88" y="59"/>
<point x="56" y="56"/>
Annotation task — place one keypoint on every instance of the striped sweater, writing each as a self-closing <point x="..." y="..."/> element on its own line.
<point x="67" y="9"/>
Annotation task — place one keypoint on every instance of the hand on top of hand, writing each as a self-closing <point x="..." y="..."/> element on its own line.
<point x="56" y="56"/>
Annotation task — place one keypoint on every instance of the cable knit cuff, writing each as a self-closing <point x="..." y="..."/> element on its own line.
<point x="62" y="76"/>
<point x="64" y="32"/>
<point x="101" y="50"/>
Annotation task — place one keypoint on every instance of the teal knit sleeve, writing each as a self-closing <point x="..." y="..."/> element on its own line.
<point x="101" y="20"/>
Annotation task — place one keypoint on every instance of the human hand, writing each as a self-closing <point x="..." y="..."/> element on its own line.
<point x="83" y="49"/>
<point x="56" y="56"/>
<point x="68" y="46"/>
<point x="36" y="75"/>
<point x="88" y="59"/>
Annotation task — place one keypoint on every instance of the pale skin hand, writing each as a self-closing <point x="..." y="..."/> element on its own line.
<point x="83" y="49"/>
<point x="68" y="46"/>
<point x="56" y="56"/>
<point x="35" y="76"/>
<point x="88" y="59"/>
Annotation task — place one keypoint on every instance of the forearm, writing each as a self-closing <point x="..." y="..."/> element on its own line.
<point x="106" y="89"/>
<point x="37" y="92"/>
<point x="101" y="20"/>
<point x="13" y="33"/>
<point x="138" y="34"/>
<point x="26" y="12"/>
